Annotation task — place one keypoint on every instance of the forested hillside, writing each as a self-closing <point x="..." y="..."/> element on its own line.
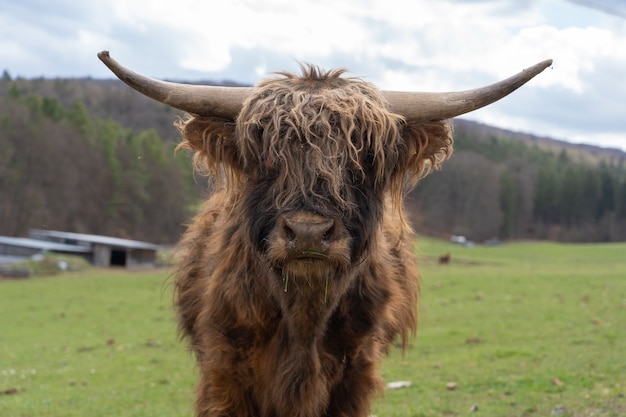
<point x="93" y="156"/>
<point x="501" y="184"/>
<point x="63" y="168"/>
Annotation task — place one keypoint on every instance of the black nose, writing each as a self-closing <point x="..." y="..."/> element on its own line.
<point x="308" y="235"/>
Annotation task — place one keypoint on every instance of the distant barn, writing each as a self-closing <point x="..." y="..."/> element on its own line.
<point x="101" y="251"/>
<point x="16" y="249"/>
<point x="104" y="251"/>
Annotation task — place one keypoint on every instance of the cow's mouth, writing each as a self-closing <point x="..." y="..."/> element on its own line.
<point x="311" y="255"/>
<point x="307" y="269"/>
<point x="308" y="263"/>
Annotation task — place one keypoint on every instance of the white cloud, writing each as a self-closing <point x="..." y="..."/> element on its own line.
<point x="397" y="44"/>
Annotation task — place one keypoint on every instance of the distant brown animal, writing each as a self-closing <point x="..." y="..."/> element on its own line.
<point x="299" y="272"/>
<point x="445" y="259"/>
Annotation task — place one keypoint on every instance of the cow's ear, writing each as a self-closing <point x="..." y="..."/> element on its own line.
<point x="212" y="140"/>
<point x="428" y="145"/>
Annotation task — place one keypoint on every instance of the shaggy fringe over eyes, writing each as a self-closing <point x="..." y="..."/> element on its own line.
<point x="318" y="123"/>
<point x="336" y="127"/>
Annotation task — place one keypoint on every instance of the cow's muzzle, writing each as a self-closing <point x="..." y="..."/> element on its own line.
<point x="308" y="236"/>
<point x="308" y="244"/>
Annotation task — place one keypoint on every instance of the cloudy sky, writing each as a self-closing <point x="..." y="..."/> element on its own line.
<point x="418" y="45"/>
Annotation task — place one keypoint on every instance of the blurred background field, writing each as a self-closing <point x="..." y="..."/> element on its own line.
<point x="524" y="329"/>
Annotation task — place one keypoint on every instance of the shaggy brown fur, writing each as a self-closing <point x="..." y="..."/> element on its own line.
<point x="279" y="331"/>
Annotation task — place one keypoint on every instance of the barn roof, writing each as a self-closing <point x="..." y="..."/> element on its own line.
<point x="92" y="239"/>
<point x="43" y="245"/>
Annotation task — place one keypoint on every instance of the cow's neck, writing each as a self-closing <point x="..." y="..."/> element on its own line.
<point x="307" y="303"/>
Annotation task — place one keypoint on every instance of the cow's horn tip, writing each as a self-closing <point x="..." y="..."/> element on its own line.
<point x="546" y="63"/>
<point x="103" y="55"/>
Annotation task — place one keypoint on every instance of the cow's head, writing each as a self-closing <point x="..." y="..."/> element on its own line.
<point x="313" y="159"/>
<point x="314" y="156"/>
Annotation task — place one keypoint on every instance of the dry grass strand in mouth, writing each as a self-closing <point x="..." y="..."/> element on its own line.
<point x="326" y="289"/>
<point x="326" y="279"/>
<point x="312" y="252"/>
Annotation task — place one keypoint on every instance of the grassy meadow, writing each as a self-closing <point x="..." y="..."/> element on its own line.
<point x="525" y="329"/>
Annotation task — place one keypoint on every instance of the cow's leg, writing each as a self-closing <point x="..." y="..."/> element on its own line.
<point x="224" y="389"/>
<point x="352" y="396"/>
<point x="221" y="396"/>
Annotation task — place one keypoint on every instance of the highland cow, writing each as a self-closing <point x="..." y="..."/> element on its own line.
<point x="299" y="273"/>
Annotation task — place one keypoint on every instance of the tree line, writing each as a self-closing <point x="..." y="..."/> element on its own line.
<point x="93" y="156"/>
<point x="505" y="185"/>
<point x="62" y="169"/>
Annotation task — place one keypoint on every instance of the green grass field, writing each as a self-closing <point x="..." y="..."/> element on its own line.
<point x="527" y="329"/>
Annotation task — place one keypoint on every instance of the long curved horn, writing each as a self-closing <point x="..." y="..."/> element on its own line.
<point x="440" y="106"/>
<point x="202" y="100"/>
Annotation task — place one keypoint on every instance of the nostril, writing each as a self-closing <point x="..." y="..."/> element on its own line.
<point x="290" y="235"/>
<point x="328" y="234"/>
